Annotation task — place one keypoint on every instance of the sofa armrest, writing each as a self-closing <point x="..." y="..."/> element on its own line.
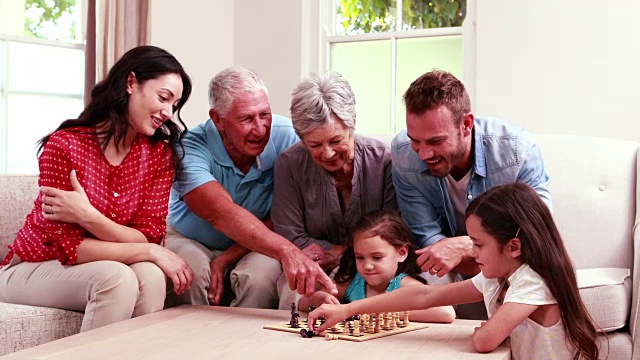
<point x="634" y="327"/>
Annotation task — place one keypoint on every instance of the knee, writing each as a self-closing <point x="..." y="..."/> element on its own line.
<point x="151" y="278"/>
<point x="120" y="283"/>
<point x="263" y="280"/>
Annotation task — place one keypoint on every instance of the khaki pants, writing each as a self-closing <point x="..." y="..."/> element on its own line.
<point x="253" y="279"/>
<point x="106" y="291"/>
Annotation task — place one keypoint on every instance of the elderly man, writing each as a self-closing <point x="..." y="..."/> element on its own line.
<point x="446" y="158"/>
<point x="220" y="205"/>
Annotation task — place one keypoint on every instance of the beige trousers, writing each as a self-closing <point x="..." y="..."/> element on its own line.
<point x="253" y="279"/>
<point x="106" y="291"/>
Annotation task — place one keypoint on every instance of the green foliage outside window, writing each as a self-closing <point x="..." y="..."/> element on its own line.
<point x="50" y="19"/>
<point x="366" y="16"/>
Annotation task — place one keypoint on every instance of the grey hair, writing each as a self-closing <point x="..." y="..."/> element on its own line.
<point x="229" y="83"/>
<point x="320" y="98"/>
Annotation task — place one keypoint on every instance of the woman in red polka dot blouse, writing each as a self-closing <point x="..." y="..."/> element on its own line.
<point x="94" y="239"/>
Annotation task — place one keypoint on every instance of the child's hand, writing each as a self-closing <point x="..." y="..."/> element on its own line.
<point x="332" y="313"/>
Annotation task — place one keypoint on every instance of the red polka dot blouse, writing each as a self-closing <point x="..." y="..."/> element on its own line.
<point x="134" y="193"/>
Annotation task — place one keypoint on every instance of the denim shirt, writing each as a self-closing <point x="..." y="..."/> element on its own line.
<point x="502" y="153"/>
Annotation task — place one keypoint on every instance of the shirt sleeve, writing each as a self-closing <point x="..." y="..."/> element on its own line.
<point x="55" y="168"/>
<point x="151" y="218"/>
<point x="480" y="282"/>
<point x="287" y="209"/>
<point x="390" y="201"/>
<point x="419" y="214"/>
<point x="529" y="288"/>
<point x="196" y="166"/>
<point x="533" y="171"/>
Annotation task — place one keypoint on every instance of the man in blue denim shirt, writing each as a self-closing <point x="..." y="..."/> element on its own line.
<point x="445" y="159"/>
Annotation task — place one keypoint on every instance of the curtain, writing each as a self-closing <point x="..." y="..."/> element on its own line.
<point x="113" y="28"/>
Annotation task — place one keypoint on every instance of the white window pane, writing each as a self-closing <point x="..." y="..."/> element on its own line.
<point x="30" y="118"/>
<point x="417" y="56"/>
<point x="41" y="68"/>
<point x="367" y="67"/>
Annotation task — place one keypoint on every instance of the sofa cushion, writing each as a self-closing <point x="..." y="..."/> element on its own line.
<point x="23" y="326"/>
<point x="17" y="197"/>
<point x="606" y="292"/>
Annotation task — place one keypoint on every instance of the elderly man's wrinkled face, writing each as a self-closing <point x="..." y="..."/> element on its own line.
<point x="331" y="146"/>
<point x="246" y="127"/>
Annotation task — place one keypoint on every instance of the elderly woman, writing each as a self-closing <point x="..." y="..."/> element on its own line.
<point x="327" y="181"/>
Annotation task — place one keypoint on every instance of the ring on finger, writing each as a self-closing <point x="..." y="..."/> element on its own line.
<point x="433" y="270"/>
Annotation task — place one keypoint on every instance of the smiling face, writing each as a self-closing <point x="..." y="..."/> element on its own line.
<point x="152" y="102"/>
<point x="246" y="127"/>
<point x="444" y="147"/>
<point x="331" y="146"/>
<point x="377" y="260"/>
<point x="495" y="260"/>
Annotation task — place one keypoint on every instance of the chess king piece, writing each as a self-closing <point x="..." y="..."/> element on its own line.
<point x="294" y="320"/>
<point x="294" y="323"/>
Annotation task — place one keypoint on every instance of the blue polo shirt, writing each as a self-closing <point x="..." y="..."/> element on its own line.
<point x="206" y="160"/>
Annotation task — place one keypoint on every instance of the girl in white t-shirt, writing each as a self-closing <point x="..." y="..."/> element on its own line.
<point x="527" y="282"/>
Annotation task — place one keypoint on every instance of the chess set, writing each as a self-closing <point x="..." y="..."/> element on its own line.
<point x="357" y="328"/>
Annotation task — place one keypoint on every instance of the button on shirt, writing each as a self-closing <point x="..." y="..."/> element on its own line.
<point x="141" y="182"/>
<point x="206" y="160"/>
<point x="502" y="153"/>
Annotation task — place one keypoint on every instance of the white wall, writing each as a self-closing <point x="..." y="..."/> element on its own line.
<point x="200" y="34"/>
<point x="566" y="66"/>
<point x="268" y="41"/>
<point x="550" y="66"/>
<point x="265" y="36"/>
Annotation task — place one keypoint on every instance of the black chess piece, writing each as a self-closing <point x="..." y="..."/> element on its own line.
<point x="306" y="333"/>
<point x="311" y="308"/>
<point x="294" y="320"/>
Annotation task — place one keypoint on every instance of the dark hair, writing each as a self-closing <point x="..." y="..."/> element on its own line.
<point x="110" y="100"/>
<point x="516" y="208"/>
<point x="390" y="227"/>
<point x="434" y="89"/>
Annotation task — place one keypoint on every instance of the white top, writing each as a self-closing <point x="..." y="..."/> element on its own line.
<point x="458" y="195"/>
<point x="529" y="340"/>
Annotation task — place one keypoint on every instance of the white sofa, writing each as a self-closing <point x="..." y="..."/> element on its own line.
<point x="595" y="191"/>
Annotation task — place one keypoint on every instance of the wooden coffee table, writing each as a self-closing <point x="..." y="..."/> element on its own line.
<point x="202" y="332"/>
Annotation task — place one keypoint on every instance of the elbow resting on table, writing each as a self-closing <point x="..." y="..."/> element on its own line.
<point x="483" y="344"/>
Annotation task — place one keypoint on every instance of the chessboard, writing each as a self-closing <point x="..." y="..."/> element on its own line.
<point x="367" y="329"/>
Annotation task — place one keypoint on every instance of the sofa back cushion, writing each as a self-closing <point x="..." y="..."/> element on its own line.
<point x="16" y="201"/>
<point x="593" y="189"/>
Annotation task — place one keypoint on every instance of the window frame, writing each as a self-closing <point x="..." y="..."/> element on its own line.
<point x="5" y="40"/>
<point x="327" y="22"/>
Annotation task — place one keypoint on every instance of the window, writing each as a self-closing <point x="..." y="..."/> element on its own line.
<point x="41" y="76"/>
<point x="381" y="46"/>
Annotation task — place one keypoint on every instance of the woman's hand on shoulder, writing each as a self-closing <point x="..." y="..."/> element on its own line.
<point x="174" y="267"/>
<point x="67" y="206"/>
